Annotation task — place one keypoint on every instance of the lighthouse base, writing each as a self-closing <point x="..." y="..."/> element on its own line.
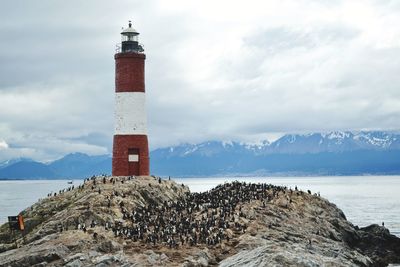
<point x="130" y="155"/>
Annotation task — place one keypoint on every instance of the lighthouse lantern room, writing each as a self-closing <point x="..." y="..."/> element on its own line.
<point x="130" y="144"/>
<point x="130" y="40"/>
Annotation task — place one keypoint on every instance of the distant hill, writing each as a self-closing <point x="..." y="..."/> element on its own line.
<point x="81" y="165"/>
<point x="75" y="165"/>
<point x="12" y="161"/>
<point x="335" y="153"/>
<point x="27" y="170"/>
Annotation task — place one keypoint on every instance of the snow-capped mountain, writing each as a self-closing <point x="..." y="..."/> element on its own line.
<point x="207" y="149"/>
<point x="10" y="162"/>
<point x="292" y="144"/>
<point x="335" y="142"/>
<point x="334" y="153"/>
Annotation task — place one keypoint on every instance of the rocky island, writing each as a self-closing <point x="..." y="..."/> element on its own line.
<point x="147" y="221"/>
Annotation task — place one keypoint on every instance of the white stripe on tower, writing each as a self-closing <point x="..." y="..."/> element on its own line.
<point x="130" y="113"/>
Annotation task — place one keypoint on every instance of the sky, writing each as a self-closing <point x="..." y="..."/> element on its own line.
<point x="215" y="70"/>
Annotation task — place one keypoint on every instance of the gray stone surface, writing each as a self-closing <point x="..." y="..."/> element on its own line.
<point x="74" y="263"/>
<point x="278" y="234"/>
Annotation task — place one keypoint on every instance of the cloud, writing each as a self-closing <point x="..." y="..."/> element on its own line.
<point x="242" y="73"/>
<point x="3" y="145"/>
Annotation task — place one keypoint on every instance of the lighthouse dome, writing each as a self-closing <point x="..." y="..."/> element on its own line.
<point x="130" y="30"/>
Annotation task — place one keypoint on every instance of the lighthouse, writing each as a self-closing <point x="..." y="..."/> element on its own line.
<point x="130" y="144"/>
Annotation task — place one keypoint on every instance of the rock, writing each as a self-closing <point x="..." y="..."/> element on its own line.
<point x="103" y="264"/>
<point x="93" y="254"/>
<point x="163" y="257"/>
<point x="377" y="242"/>
<point x="105" y="260"/>
<point x="274" y="256"/>
<point x="33" y="255"/>
<point x="201" y="259"/>
<point x="202" y="262"/>
<point x="75" y="263"/>
<point x="42" y="264"/>
<point x="75" y="256"/>
<point x="109" y="246"/>
<point x="152" y="257"/>
<point x="308" y="231"/>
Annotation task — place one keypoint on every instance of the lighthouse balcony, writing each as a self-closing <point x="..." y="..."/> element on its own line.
<point x="129" y="47"/>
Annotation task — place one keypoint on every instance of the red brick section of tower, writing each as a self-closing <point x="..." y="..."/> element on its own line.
<point x="130" y="145"/>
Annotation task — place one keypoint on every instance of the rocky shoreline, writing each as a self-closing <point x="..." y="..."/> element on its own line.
<point x="277" y="227"/>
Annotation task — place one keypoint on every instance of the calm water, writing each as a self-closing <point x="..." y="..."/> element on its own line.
<point x="364" y="199"/>
<point x="18" y="195"/>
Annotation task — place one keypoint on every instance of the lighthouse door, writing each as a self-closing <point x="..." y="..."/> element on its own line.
<point x="133" y="161"/>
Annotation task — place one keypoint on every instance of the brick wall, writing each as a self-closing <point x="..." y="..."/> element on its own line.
<point x="129" y="72"/>
<point x="120" y="164"/>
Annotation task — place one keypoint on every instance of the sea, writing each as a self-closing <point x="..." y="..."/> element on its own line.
<point x="365" y="200"/>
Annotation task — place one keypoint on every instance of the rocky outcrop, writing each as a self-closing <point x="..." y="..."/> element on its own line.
<point x="376" y="242"/>
<point x="293" y="228"/>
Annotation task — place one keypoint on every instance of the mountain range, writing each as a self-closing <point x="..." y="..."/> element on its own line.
<point x="75" y="165"/>
<point x="334" y="153"/>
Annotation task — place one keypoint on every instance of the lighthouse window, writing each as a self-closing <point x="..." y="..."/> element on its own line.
<point x="133" y="158"/>
<point x="131" y="38"/>
<point x="133" y="155"/>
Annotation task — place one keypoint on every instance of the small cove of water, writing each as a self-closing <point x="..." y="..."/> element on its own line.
<point x="16" y="195"/>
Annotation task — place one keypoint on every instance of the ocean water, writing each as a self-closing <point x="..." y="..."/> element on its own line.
<point x="17" y="195"/>
<point x="364" y="199"/>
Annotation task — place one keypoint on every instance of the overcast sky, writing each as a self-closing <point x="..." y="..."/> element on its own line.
<point x="215" y="70"/>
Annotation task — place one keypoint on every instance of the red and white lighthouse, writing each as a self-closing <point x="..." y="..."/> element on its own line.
<point x="130" y="146"/>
